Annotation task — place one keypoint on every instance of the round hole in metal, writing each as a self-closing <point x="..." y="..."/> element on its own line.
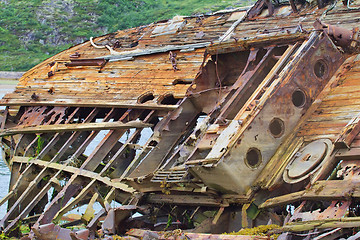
<point x="298" y="98"/>
<point x="253" y="157"/>
<point x="168" y="99"/>
<point x="145" y="98"/>
<point x="320" y="68"/>
<point x="277" y="127"/>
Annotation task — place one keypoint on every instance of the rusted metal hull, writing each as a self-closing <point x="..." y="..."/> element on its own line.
<point x="207" y="124"/>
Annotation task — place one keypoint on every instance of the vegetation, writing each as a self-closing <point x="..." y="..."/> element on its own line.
<point x="33" y="30"/>
<point x="262" y="230"/>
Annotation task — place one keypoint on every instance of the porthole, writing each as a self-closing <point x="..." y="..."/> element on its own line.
<point x="253" y="157"/>
<point x="145" y="98"/>
<point x="277" y="127"/>
<point x="298" y="98"/>
<point x="168" y="99"/>
<point x="320" y="69"/>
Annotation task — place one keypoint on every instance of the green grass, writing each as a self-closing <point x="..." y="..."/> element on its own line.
<point x="33" y="30"/>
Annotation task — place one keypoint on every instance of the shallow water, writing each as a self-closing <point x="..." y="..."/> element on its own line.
<point x="4" y="170"/>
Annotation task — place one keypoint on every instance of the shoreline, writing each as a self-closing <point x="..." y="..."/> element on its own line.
<point x="8" y="83"/>
<point x="10" y="75"/>
<point x="10" y="79"/>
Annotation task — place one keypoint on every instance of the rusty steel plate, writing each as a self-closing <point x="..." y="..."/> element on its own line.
<point x="307" y="160"/>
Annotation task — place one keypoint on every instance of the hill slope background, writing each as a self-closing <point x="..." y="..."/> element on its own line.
<point x="33" y="30"/>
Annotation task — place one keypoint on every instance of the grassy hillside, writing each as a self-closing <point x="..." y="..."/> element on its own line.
<point x="33" y="30"/>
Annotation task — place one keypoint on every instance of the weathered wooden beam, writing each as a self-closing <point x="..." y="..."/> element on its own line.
<point x="190" y="200"/>
<point x="229" y="32"/>
<point x="347" y="222"/>
<point x="241" y="44"/>
<point x="282" y="200"/>
<point x="75" y="127"/>
<point x="85" y="62"/>
<point x="85" y="103"/>
<point x="141" y="233"/>
<point x="125" y="55"/>
<point x="348" y="154"/>
<point x="74" y="170"/>
<point x="322" y="190"/>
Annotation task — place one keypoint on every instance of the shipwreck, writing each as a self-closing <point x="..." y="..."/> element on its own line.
<point x="196" y="125"/>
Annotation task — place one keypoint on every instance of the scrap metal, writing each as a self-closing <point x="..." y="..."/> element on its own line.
<point x="192" y="128"/>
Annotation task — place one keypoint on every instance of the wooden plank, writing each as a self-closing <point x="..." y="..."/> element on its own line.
<point x="346" y="116"/>
<point x="346" y="222"/>
<point x="74" y="127"/>
<point x="73" y="170"/>
<point x="256" y="41"/>
<point x="344" y="102"/>
<point x="348" y="134"/>
<point x="201" y="161"/>
<point x="118" y="56"/>
<point x="337" y="110"/>
<point x="348" y="154"/>
<point x="310" y="138"/>
<point x="123" y="97"/>
<point x="356" y="142"/>
<point x="322" y="128"/>
<point x="188" y="199"/>
<point x="87" y="103"/>
<point x="141" y="233"/>
<point x="321" y="190"/>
